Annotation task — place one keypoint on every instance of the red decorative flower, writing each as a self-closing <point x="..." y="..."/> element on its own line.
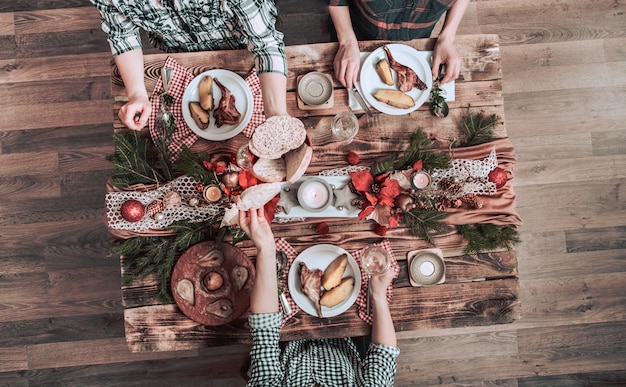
<point x="270" y="209"/>
<point x="498" y="176"/>
<point x="417" y="166"/>
<point x="247" y="179"/>
<point x="379" y="191"/>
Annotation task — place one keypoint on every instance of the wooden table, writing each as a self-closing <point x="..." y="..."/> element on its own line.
<point x="479" y="290"/>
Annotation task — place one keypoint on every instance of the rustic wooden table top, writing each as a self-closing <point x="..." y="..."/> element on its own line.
<point x="479" y="290"/>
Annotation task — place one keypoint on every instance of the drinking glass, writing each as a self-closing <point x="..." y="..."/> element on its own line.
<point x="345" y="126"/>
<point x="375" y="260"/>
<point x="243" y="157"/>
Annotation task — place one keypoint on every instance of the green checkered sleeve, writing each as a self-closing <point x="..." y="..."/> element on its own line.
<point x="266" y="368"/>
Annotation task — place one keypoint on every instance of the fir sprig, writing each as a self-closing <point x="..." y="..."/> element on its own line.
<point x="133" y="161"/>
<point x="157" y="255"/>
<point x="477" y="128"/>
<point x="482" y="237"/>
<point x="424" y="223"/>
<point x="191" y="164"/>
<point x="421" y="148"/>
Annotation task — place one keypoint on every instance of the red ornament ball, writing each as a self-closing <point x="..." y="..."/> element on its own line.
<point x="132" y="210"/>
<point x="498" y="176"/>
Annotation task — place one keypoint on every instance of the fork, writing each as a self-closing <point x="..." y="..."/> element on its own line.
<point x="165" y="122"/>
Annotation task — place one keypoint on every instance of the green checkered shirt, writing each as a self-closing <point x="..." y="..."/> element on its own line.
<point x="197" y="25"/>
<point x="305" y="363"/>
<point x="394" y="20"/>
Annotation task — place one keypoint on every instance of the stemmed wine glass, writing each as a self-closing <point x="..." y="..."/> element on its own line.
<point x="374" y="261"/>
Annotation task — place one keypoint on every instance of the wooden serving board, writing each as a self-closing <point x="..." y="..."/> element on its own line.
<point x="234" y="297"/>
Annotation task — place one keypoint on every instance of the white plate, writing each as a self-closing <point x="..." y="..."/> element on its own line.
<point x="319" y="257"/>
<point x="243" y="101"/>
<point x="370" y="80"/>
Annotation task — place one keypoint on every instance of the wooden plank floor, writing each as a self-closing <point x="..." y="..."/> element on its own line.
<point x="564" y="81"/>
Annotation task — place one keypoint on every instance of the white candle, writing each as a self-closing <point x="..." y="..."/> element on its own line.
<point x="421" y="180"/>
<point x="315" y="195"/>
<point x="427" y="268"/>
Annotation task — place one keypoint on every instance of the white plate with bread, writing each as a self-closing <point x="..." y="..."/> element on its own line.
<point x="320" y="257"/>
<point x="244" y="104"/>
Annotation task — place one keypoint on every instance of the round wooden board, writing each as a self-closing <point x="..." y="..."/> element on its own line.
<point x="188" y="268"/>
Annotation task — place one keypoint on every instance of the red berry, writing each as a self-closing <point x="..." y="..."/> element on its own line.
<point x="352" y="158"/>
<point x="322" y="228"/>
<point x="132" y="210"/>
<point x="380" y="229"/>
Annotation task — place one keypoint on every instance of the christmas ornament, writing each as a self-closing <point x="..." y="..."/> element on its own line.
<point x="498" y="176"/>
<point x="159" y="216"/>
<point x="132" y="210"/>
<point x="404" y="202"/>
<point x="231" y="179"/>
<point x="352" y="158"/>
<point x="172" y="199"/>
<point x="193" y="202"/>
<point x="344" y="197"/>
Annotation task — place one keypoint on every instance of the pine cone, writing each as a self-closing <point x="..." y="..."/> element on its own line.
<point x="375" y="188"/>
<point x="472" y="200"/>
<point x="358" y="203"/>
<point x="450" y="186"/>
<point x="442" y="203"/>
<point x="154" y="207"/>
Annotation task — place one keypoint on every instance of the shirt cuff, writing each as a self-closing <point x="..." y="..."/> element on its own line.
<point x="386" y="349"/>
<point x="265" y="320"/>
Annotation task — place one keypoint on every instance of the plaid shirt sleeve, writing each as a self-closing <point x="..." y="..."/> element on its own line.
<point x="266" y="368"/>
<point x="258" y="20"/>
<point x="123" y="34"/>
<point x="380" y="364"/>
<point x="338" y="3"/>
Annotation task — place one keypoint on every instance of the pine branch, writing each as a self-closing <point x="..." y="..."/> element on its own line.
<point x="133" y="161"/>
<point x="421" y="148"/>
<point x="148" y="255"/>
<point x="424" y="223"/>
<point x="487" y="237"/>
<point x="191" y="164"/>
<point x="477" y="128"/>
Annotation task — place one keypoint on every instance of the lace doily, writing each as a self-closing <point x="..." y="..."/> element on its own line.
<point x="473" y="174"/>
<point x="185" y="186"/>
<point x="342" y="171"/>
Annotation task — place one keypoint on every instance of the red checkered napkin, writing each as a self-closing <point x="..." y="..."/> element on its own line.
<point x="181" y="77"/>
<point x="258" y="112"/>
<point x="282" y="245"/>
<point x="361" y="300"/>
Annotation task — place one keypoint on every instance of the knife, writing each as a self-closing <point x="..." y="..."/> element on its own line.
<point x="361" y="101"/>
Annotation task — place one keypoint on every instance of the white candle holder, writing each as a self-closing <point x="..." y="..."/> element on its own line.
<point x="315" y="194"/>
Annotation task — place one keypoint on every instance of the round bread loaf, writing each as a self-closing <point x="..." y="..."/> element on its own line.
<point x="277" y="136"/>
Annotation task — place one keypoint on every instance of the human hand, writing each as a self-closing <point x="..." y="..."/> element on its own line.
<point x="347" y="63"/>
<point x="134" y="114"/>
<point x="446" y="54"/>
<point x="380" y="283"/>
<point x="258" y="229"/>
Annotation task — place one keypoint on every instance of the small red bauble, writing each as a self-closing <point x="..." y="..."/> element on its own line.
<point x="132" y="210"/>
<point x="498" y="176"/>
<point x="352" y="158"/>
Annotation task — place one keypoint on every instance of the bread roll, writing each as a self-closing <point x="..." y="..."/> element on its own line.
<point x="269" y="170"/>
<point x="258" y="195"/>
<point x="277" y="136"/>
<point x="297" y="161"/>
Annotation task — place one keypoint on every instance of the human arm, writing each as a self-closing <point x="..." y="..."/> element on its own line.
<point x="383" y="331"/>
<point x="134" y="114"/>
<point x="444" y="52"/>
<point x="348" y="57"/>
<point x="274" y="89"/>
<point x="264" y="296"/>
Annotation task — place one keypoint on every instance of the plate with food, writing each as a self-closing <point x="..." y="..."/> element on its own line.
<point x="217" y="104"/>
<point x="324" y="280"/>
<point x="395" y="79"/>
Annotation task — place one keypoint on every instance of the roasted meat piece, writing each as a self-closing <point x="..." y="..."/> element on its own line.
<point x="311" y="281"/>
<point x="226" y="112"/>
<point x="407" y="79"/>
